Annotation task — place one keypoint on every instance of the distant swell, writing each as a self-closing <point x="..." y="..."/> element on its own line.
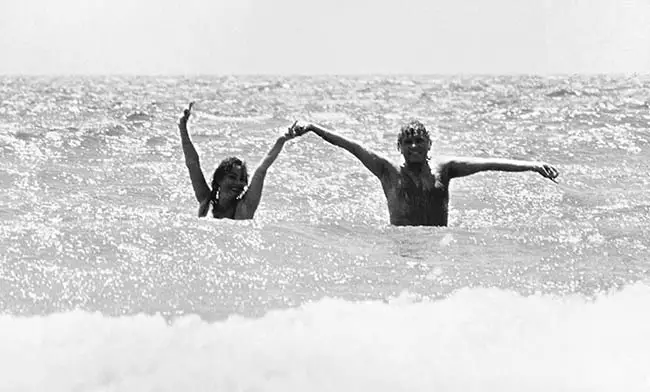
<point x="563" y="93"/>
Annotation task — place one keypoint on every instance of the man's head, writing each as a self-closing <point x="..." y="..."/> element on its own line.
<point x="414" y="142"/>
<point x="230" y="178"/>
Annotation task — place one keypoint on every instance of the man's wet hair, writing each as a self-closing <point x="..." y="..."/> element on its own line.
<point x="411" y="129"/>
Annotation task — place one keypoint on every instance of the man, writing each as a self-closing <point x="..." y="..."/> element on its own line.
<point x="417" y="193"/>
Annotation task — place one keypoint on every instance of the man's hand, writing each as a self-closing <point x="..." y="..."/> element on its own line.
<point x="294" y="131"/>
<point x="547" y="171"/>
<point x="300" y="128"/>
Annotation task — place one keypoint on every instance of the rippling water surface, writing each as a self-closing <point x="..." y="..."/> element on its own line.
<point x="108" y="281"/>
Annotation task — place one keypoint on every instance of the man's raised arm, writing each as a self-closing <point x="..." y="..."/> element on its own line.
<point x="378" y="165"/>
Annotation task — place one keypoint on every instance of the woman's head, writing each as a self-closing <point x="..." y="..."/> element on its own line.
<point x="230" y="178"/>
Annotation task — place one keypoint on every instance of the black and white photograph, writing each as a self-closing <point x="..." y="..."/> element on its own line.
<point x="325" y="196"/>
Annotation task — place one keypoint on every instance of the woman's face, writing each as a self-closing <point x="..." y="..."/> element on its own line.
<point x="233" y="183"/>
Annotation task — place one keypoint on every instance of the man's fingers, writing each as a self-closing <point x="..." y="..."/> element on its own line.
<point x="550" y="172"/>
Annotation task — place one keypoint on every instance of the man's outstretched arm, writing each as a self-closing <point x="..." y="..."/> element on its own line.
<point x="465" y="166"/>
<point x="378" y="165"/>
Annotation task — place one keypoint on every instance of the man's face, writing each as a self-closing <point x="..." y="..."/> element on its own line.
<point x="415" y="148"/>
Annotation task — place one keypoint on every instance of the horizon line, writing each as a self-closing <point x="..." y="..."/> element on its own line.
<point x="298" y="75"/>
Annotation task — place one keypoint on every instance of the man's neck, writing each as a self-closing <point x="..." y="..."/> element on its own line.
<point x="416" y="167"/>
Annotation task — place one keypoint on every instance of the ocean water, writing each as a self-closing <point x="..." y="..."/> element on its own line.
<point x="109" y="282"/>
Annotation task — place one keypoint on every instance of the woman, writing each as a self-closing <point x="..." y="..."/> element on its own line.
<point x="231" y="196"/>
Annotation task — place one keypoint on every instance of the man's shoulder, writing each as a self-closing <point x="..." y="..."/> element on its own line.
<point x="440" y="163"/>
<point x="390" y="167"/>
<point x="443" y="167"/>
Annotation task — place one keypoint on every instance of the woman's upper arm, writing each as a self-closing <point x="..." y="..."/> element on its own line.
<point x="253" y="196"/>
<point x="200" y="186"/>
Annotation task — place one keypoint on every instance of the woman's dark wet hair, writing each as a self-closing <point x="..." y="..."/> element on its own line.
<point x="411" y="129"/>
<point x="224" y="168"/>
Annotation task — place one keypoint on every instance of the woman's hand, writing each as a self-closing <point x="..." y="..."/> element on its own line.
<point x="296" y="130"/>
<point x="299" y="129"/>
<point x="186" y="115"/>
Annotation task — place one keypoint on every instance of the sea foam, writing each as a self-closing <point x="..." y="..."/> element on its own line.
<point x="479" y="339"/>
